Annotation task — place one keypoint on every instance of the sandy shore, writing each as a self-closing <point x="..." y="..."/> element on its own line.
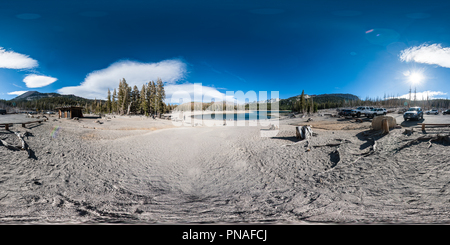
<point x="140" y="170"/>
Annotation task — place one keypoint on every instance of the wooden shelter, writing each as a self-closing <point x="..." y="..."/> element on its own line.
<point x="70" y="111"/>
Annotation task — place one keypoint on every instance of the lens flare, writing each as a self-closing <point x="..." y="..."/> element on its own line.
<point x="55" y="132"/>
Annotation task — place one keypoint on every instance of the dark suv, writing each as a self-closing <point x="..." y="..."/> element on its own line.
<point x="413" y="113"/>
<point x="346" y="112"/>
<point x="2" y="111"/>
<point x="446" y="111"/>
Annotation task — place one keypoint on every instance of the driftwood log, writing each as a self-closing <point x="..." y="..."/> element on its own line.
<point x="24" y="146"/>
<point x="9" y="146"/>
<point x="429" y="138"/>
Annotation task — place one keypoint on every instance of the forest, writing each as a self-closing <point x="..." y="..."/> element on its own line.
<point x="123" y="100"/>
<point x="150" y="99"/>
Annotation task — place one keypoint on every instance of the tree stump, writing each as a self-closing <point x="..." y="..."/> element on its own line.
<point x="303" y="132"/>
<point x="385" y="126"/>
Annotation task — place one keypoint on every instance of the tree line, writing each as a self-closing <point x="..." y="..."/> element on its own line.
<point x="301" y="105"/>
<point x="124" y="100"/>
<point x="148" y="101"/>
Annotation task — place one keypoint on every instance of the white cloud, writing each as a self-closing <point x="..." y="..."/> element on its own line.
<point x="17" y="93"/>
<point x="197" y="92"/>
<point x="13" y="60"/>
<point x="96" y="83"/>
<point x="433" y="54"/>
<point x="37" y="81"/>
<point x="423" y="95"/>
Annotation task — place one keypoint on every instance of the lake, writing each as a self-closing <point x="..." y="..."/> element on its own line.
<point x="251" y="115"/>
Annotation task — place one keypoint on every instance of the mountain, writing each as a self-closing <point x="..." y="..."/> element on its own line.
<point x="321" y="99"/>
<point x="35" y="95"/>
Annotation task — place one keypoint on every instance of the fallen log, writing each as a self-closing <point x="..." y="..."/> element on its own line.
<point x="336" y="144"/>
<point x="24" y="146"/>
<point x="9" y="146"/>
<point x="430" y="138"/>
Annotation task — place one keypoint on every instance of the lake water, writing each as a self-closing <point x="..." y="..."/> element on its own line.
<point x="251" y="115"/>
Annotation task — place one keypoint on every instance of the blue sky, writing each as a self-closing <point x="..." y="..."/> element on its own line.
<point x="367" y="48"/>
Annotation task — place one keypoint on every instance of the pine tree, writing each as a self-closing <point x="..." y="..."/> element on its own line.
<point x="123" y="96"/>
<point x="120" y="96"/>
<point x="128" y="101"/>
<point x="151" y="96"/>
<point x="160" y="96"/>
<point x="114" y="101"/>
<point x="135" y="99"/>
<point x="302" y="102"/>
<point x="108" y="102"/>
<point x="143" y="107"/>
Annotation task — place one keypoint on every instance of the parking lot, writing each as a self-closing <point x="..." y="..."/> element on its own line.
<point x="436" y="119"/>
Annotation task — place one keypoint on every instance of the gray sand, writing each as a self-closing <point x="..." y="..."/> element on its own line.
<point x="138" y="170"/>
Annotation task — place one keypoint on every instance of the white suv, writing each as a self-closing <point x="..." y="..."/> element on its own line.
<point x="363" y="110"/>
<point x="376" y="112"/>
<point x="434" y="111"/>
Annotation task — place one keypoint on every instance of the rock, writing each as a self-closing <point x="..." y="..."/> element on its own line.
<point x="376" y="122"/>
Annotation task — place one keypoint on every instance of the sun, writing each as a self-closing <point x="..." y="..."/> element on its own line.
<point x="415" y="78"/>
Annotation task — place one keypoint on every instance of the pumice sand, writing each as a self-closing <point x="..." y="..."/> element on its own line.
<point x="141" y="170"/>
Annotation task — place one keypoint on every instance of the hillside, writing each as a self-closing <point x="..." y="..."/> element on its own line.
<point x="48" y="101"/>
<point x="35" y="95"/>
<point x="323" y="100"/>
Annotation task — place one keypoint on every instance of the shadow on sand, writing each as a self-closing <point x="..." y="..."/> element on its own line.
<point x="411" y="123"/>
<point x="290" y="138"/>
<point x="34" y="126"/>
<point x="370" y="136"/>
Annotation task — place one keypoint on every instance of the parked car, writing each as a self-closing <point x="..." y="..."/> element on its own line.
<point x="446" y="111"/>
<point x="434" y="111"/>
<point x="402" y="110"/>
<point x="362" y="110"/>
<point x="413" y="113"/>
<point x="345" y="112"/>
<point x="2" y="111"/>
<point x="376" y="112"/>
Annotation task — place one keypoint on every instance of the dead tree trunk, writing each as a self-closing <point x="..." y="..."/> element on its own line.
<point x="129" y="107"/>
<point x="303" y="132"/>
